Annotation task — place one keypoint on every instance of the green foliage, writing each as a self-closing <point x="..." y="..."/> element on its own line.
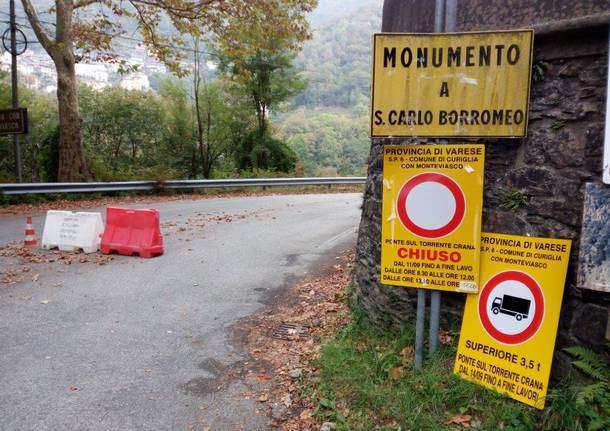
<point x="581" y="405"/>
<point x="539" y="69"/>
<point x="256" y="55"/>
<point x="355" y="389"/>
<point x="268" y="78"/>
<point x="179" y="145"/>
<point x="513" y="200"/>
<point x="153" y="135"/>
<point x="49" y="156"/>
<point x="588" y="362"/>
<point x="337" y="62"/>
<point x="117" y="131"/>
<point x="327" y="140"/>
<point x="328" y="130"/>
<point x="264" y="152"/>
<point x="42" y="117"/>
<point x="592" y="399"/>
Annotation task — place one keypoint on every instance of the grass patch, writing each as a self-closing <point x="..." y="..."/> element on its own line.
<point x="364" y="380"/>
<point x="355" y="387"/>
<point x="513" y="200"/>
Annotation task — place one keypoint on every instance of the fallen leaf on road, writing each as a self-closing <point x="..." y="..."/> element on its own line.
<point x="287" y="400"/>
<point x="263" y="398"/>
<point x="263" y="377"/>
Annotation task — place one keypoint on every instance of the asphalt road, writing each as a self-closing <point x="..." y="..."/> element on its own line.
<point x="140" y="344"/>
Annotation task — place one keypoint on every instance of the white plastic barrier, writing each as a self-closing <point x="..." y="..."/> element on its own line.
<point x="72" y="231"/>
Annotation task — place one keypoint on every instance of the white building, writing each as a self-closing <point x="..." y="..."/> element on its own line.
<point x="135" y="81"/>
<point x="5" y="61"/>
<point x="96" y="72"/>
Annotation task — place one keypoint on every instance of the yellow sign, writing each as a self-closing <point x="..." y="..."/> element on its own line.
<point x="431" y="216"/>
<point x="508" y="332"/>
<point x="451" y="85"/>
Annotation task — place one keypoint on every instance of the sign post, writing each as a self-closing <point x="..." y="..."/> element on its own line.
<point x="15" y="95"/>
<point x="508" y="331"/>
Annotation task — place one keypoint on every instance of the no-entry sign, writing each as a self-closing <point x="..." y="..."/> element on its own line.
<point x="431" y="221"/>
<point x="431" y="205"/>
<point x="508" y="332"/>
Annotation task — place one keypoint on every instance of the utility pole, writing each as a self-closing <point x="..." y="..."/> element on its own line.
<point x="15" y="93"/>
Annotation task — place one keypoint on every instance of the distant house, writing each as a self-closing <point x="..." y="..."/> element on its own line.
<point x="96" y="72"/>
<point x="135" y="81"/>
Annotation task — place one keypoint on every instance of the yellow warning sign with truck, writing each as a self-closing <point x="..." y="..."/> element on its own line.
<point x="431" y="216"/>
<point x="508" y="331"/>
<point x="451" y="84"/>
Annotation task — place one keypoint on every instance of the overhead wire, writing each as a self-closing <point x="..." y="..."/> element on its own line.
<point x="27" y="25"/>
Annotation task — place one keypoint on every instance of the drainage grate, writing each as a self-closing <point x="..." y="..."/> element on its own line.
<point x="291" y="331"/>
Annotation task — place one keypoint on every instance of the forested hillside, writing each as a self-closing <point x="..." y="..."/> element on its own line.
<point x="327" y="126"/>
<point x="205" y="123"/>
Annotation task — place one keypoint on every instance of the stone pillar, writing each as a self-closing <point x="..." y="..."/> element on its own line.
<point x="549" y="168"/>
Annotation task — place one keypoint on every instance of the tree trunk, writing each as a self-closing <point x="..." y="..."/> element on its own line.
<point x="196" y="86"/>
<point x="72" y="163"/>
<point x="209" y="160"/>
<point x="193" y="174"/>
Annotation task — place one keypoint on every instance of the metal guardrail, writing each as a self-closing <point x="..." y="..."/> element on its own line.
<point x="40" y="188"/>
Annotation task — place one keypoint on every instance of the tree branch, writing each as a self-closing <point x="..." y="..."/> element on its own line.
<point x="84" y="3"/>
<point x="149" y="27"/>
<point x="192" y="10"/>
<point x="45" y="40"/>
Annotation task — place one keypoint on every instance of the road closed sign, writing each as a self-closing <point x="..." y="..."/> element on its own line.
<point x="509" y="327"/>
<point x="451" y="85"/>
<point x="431" y="220"/>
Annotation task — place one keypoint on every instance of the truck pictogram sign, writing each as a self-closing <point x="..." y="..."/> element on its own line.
<point x="512" y="306"/>
<point x="508" y="332"/>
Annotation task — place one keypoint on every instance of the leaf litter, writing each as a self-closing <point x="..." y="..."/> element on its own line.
<point x="23" y="258"/>
<point x="67" y="204"/>
<point x="320" y="313"/>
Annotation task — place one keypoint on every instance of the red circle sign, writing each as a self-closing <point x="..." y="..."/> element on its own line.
<point x="448" y="192"/>
<point x="511" y="307"/>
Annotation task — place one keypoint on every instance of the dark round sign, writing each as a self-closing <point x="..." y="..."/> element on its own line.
<point x="21" y="42"/>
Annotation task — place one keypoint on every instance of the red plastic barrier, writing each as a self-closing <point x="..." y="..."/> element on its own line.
<point x="131" y="231"/>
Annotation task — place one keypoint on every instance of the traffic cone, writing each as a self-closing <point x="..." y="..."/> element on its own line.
<point x="30" y="238"/>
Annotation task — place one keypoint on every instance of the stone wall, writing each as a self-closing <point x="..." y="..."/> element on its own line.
<point x="562" y="151"/>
